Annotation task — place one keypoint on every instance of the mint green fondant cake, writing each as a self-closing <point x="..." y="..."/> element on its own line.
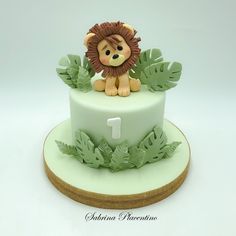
<point x="116" y="120"/>
<point x="138" y="114"/>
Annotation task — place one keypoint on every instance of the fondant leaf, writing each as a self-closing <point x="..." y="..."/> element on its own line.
<point x="62" y="73"/>
<point x="85" y="148"/>
<point x="153" y="145"/>
<point x="69" y="150"/>
<point x="145" y="59"/>
<point x="106" y="152"/>
<point x="137" y="156"/>
<point x="170" y="148"/>
<point x="66" y="149"/>
<point x="74" y="60"/>
<point x="161" y="76"/>
<point x="120" y="158"/>
<point x="64" y="61"/>
<point x="74" y="74"/>
<point x="84" y="80"/>
<point x="87" y="66"/>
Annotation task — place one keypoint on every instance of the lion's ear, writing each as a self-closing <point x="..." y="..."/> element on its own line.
<point x="87" y="38"/>
<point x="129" y="27"/>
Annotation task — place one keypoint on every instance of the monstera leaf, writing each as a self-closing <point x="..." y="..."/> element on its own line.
<point x="153" y="144"/>
<point x="68" y="150"/>
<point x="74" y="60"/>
<point x="170" y="148"/>
<point x="137" y="156"/>
<point x="161" y="76"/>
<point x="120" y="158"/>
<point x="85" y="148"/>
<point x="106" y="152"/>
<point x="83" y="80"/>
<point x="62" y="73"/>
<point x="87" y="66"/>
<point x="146" y="58"/>
<point x="74" y="73"/>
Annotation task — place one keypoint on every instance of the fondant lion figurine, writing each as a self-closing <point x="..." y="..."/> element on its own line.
<point x="113" y="49"/>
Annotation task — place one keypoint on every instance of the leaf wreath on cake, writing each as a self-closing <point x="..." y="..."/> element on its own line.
<point x="152" y="148"/>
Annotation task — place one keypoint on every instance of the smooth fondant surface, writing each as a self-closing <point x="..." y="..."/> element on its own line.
<point x="139" y="113"/>
<point x="132" y="181"/>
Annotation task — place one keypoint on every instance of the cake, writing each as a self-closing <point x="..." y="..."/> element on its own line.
<point x="117" y="102"/>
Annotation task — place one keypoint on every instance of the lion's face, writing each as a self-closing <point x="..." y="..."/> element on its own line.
<point x="112" y="48"/>
<point x="113" y="55"/>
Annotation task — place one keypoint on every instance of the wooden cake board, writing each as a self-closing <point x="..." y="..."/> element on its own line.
<point x="120" y="190"/>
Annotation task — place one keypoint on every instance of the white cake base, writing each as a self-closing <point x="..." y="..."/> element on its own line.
<point x="120" y="190"/>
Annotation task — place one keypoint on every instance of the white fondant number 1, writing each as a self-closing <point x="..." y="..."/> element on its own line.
<point x="115" y="124"/>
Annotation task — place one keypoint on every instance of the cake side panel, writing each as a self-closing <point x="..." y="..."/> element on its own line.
<point x="93" y="116"/>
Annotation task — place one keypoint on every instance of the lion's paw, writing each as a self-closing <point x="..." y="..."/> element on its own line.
<point x="135" y="85"/>
<point x="124" y="91"/>
<point x="111" y="91"/>
<point x="99" y="85"/>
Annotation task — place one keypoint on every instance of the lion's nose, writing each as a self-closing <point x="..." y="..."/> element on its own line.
<point x="115" y="56"/>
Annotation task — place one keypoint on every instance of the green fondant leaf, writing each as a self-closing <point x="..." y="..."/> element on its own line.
<point x="87" y="66"/>
<point x="153" y="145"/>
<point x="66" y="149"/>
<point x="83" y="80"/>
<point x="64" y="61"/>
<point x="170" y="148"/>
<point x="145" y="59"/>
<point x="72" y="72"/>
<point x="85" y="148"/>
<point x="161" y="76"/>
<point x="62" y="73"/>
<point x="137" y="156"/>
<point x="106" y="152"/>
<point x="120" y="158"/>
<point x="74" y="60"/>
<point x="69" y="150"/>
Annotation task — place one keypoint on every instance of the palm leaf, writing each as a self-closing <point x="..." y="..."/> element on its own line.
<point x="153" y="144"/>
<point x="65" y="77"/>
<point x="64" y="61"/>
<point x="137" y="156"/>
<point x="106" y="152"/>
<point x="69" y="150"/>
<point x="85" y="147"/>
<point x="83" y="80"/>
<point x="75" y="60"/>
<point x="161" y="76"/>
<point x="120" y="158"/>
<point x="145" y="59"/>
<point x="74" y="73"/>
<point x="170" y="148"/>
<point x="87" y="66"/>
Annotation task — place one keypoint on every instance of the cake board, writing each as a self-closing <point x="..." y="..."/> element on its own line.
<point x="125" y="189"/>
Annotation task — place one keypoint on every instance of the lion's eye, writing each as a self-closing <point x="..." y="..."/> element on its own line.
<point x="120" y="48"/>
<point x="108" y="52"/>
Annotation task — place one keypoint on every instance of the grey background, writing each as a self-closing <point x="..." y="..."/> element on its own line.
<point x="199" y="34"/>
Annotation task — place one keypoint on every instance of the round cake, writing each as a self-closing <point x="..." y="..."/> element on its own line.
<point x="116" y="133"/>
